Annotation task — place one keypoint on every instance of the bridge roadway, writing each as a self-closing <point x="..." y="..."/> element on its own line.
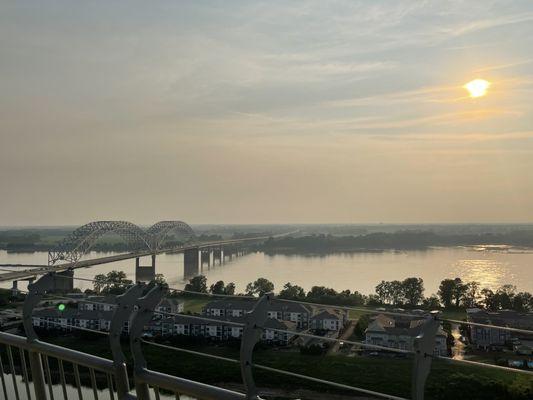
<point x="43" y="269"/>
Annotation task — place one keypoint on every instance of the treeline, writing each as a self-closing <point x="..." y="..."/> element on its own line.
<point x="401" y="240"/>
<point x="452" y="293"/>
<point x="31" y="241"/>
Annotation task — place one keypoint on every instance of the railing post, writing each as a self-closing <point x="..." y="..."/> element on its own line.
<point x="424" y="346"/>
<point x="36" y="291"/>
<point x="123" y="311"/>
<point x="140" y="318"/>
<point x="254" y="321"/>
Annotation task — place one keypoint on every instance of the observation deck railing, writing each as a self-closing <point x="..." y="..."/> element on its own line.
<point x="137" y="308"/>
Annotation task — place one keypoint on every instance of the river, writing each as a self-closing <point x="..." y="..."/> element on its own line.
<point x="355" y="271"/>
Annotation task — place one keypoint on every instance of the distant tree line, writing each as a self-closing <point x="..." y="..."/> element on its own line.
<point x="452" y="293"/>
<point x="30" y="241"/>
<point x="401" y="240"/>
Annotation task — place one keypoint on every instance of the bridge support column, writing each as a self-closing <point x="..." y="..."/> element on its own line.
<point x="205" y="258"/>
<point x="63" y="281"/>
<point x="217" y="255"/>
<point x="144" y="273"/>
<point x="229" y="253"/>
<point x="191" y="262"/>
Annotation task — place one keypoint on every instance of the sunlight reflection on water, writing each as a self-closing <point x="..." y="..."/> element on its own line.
<point x="489" y="273"/>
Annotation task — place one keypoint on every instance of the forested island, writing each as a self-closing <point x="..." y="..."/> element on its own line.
<point x="306" y="240"/>
<point x="401" y="240"/>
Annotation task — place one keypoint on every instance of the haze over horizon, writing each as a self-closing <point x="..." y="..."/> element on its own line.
<point x="265" y="112"/>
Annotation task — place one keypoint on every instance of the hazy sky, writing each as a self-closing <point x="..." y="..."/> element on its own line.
<point x="265" y="112"/>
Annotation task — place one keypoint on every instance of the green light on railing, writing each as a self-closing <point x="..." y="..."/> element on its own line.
<point x="61" y="307"/>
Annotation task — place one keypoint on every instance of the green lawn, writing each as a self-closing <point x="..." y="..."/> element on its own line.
<point x="391" y="375"/>
<point x="194" y="304"/>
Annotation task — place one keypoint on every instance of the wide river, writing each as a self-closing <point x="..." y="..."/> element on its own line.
<point x="354" y="271"/>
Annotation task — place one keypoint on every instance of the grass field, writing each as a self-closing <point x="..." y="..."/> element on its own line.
<point x="391" y="375"/>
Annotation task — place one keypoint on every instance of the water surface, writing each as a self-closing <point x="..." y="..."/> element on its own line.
<point x="355" y="271"/>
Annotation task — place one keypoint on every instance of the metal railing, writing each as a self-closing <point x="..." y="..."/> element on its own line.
<point x="137" y="307"/>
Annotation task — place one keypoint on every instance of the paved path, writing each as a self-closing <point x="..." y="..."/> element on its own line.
<point x="348" y="331"/>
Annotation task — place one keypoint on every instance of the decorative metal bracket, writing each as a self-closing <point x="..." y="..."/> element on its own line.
<point x="424" y="345"/>
<point x="123" y="311"/>
<point x="254" y="321"/>
<point x="140" y="318"/>
<point x="36" y="291"/>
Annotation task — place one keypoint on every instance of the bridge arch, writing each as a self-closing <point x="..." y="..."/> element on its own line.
<point x="81" y="240"/>
<point x="159" y="231"/>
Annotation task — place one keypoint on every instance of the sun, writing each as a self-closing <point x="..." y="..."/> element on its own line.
<point x="477" y="87"/>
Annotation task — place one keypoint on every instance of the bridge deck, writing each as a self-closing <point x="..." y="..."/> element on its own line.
<point x="41" y="270"/>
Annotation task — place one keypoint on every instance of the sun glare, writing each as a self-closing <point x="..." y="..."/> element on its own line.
<point x="477" y="87"/>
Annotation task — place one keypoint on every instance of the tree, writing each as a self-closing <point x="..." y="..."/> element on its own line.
<point x="471" y="295"/>
<point x="431" y="303"/>
<point x="397" y="292"/>
<point x="217" y="287"/>
<point x="506" y="294"/>
<point x="490" y="301"/>
<point x="259" y="287"/>
<point x="446" y="291"/>
<point x="383" y="291"/>
<point x="522" y="301"/>
<point x="292" y="292"/>
<point x="221" y="288"/>
<point x="114" y="282"/>
<point x="230" y="289"/>
<point x="413" y="290"/>
<point x="197" y="284"/>
<point x="99" y="282"/>
<point x="459" y="291"/>
<point x="160" y="280"/>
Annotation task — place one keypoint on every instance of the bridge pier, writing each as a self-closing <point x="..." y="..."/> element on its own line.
<point x="217" y="255"/>
<point x="144" y="273"/>
<point x="191" y="261"/>
<point x="228" y="252"/>
<point x="205" y="258"/>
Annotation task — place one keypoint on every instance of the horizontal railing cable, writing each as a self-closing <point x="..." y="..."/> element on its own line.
<point x="79" y="328"/>
<point x="506" y="328"/>
<point x="279" y="371"/>
<point x="330" y="383"/>
<point x="197" y="353"/>
<point x="484" y="365"/>
<point x="231" y="296"/>
<point x="200" y="317"/>
<point x="330" y="339"/>
<point x="349" y="308"/>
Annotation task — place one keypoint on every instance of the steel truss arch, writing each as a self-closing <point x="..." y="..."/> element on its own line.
<point x="159" y="231"/>
<point x="81" y="240"/>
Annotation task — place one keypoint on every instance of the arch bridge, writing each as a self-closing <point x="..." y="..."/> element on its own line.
<point x="158" y="239"/>
<point x="83" y="239"/>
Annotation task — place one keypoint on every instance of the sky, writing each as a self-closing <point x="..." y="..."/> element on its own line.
<point x="265" y="112"/>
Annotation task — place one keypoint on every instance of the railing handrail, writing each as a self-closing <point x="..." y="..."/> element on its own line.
<point x="186" y="386"/>
<point x="62" y="353"/>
